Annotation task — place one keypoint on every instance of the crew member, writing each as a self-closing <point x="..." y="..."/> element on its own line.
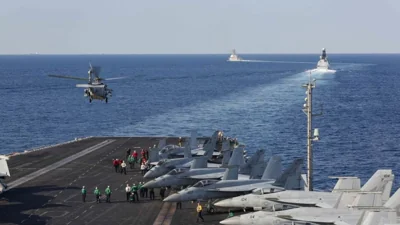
<point x="134" y="190"/>
<point x="123" y="167"/>
<point x="199" y="210"/>
<point x="128" y="152"/>
<point x="97" y="194"/>
<point x="180" y="142"/>
<point x="152" y="193"/>
<point x="162" y="192"/>
<point x="131" y="162"/>
<point x="115" y="163"/>
<point x="128" y="192"/>
<point x="147" y="153"/>
<point x="141" y="189"/>
<point x="143" y="168"/>
<point x="135" y="156"/>
<point x="83" y="194"/>
<point x="108" y="194"/>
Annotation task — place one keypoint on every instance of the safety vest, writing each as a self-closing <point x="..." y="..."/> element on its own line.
<point x="96" y="192"/>
<point x="199" y="208"/>
<point x="83" y="191"/>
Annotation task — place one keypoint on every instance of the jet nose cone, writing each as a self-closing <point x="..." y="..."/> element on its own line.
<point x="149" y="174"/>
<point x="173" y="198"/>
<point x="232" y="221"/>
<point x="150" y="184"/>
<point x="224" y="203"/>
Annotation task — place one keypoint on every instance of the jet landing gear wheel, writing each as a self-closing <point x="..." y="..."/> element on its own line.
<point x="210" y="207"/>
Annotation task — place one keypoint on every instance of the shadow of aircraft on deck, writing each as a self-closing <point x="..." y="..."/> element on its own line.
<point x="19" y="205"/>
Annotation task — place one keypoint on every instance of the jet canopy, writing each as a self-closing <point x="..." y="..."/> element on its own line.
<point x="177" y="171"/>
<point x="167" y="149"/>
<point x="204" y="183"/>
<point x="161" y="162"/>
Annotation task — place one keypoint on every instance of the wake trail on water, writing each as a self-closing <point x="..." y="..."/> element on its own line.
<point x="244" y="114"/>
<point x="249" y="114"/>
<point x="271" y="61"/>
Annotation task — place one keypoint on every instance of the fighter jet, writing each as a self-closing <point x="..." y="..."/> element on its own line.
<point x="166" y="165"/>
<point x="183" y="176"/>
<point x="212" y="189"/>
<point x="176" y="151"/>
<point x="342" y="195"/>
<point x="357" y="215"/>
<point x="4" y="172"/>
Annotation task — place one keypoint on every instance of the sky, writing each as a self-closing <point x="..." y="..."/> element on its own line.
<point x="198" y="27"/>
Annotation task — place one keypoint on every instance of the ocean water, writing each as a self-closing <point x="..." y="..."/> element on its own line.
<point x="258" y="102"/>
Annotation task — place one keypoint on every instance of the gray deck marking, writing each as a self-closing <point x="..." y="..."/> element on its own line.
<point x="70" y="197"/>
<point x="57" y="164"/>
<point x="166" y="213"/>
<point x="102" y="213"/>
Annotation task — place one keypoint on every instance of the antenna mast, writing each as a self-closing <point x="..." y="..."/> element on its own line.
<point x="307" y="109"/>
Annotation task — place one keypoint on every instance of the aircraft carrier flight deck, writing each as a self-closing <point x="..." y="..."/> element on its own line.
<point x="45" y="187"/>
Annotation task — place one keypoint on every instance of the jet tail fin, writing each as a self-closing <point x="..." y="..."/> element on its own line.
<point x="237" y="157"/>
<point x="250" y="164"/>
<point x="257" y="170"/>
<point x="199" y="162"/>
<point x="231" y="173"/>
<point x="209" y="146"/>
<point x="162" y="143"/>
<point x="193" y="139"/>
<point x="367" y="199"/>
<point x="154" y="151"/>
<point x="381" y="181"/>
<point x="187" y="153"/>
<point x="226" y="156"/>
<point x="256" y="164"/>
<point x="290" y="178"/>
<point x="346" y="184"/>
<point x="394" y="202"/>
<point x="273" y="169"/>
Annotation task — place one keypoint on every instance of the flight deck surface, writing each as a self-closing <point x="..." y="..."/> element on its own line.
<point x="45" y="187"/>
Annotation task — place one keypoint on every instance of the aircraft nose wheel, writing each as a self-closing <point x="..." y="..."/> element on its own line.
<point x="106" y="100"/>
<point x="90" y="100"/>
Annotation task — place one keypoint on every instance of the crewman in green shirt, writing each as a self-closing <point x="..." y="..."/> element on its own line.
<point x="108" y="194"/>
<point x="83" y="194"/>
<point x="97" y="194"/>
<point x="134" y="190"/>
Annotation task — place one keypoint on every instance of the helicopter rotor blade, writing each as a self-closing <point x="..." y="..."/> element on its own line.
<point x="66" y="77"/>
<point x="89" y="86"/>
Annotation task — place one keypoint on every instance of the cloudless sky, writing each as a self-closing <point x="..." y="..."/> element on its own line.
<point x="206" y="26"/>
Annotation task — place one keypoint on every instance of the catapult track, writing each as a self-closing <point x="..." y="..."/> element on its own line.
<point x="44" y="187"/>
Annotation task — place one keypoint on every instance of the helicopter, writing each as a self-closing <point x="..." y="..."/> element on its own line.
<point x="95" y="89"/>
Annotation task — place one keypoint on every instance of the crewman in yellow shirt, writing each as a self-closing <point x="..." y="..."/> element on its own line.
<point x="199" y="210"/>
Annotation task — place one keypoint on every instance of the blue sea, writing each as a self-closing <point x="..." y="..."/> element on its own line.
<point x="258" y="102"/>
